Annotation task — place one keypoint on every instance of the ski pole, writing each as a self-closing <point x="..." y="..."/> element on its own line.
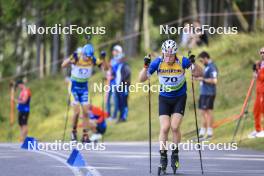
<point x="149" y="99"/>
<point x="245" y="116"/>
<point x="149" y="103"/>
<point x="196" y="121"/>
<point x="67" y="115"/>
<point x="244" y="109"/>
<point x="11" y="118"/>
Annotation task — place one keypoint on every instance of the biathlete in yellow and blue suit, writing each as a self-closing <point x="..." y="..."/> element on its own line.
<point x="81" y="70"/>
<point x="170" y="69"/>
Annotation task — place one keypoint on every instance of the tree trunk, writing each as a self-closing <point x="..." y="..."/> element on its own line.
<point x="38" y="44"/>
<point x="202" y="12"/>
<point x="242" y="20"/>
<point x="146" y="26"/>
<point x="66" y="49"/>
<point x="261" y="9"/>
<point x="55" y="53"/>
<point x="131" y="27"/>
<point x="41" y="61"/>
<point x="209" y="10"/>
<point x="221" y="9"/>
<point x="228" y="19"/>
<point x="190" y="9"/>
<point x="180" y="13"/>
<point x="254" y="15"/>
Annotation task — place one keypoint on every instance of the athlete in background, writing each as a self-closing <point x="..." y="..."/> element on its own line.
<point x="208" y="83"/>
<point x="81" y="70"/>
<point x="258" y="69"/>
<point x="23" y="107"/>
<point x="97" y="122"/>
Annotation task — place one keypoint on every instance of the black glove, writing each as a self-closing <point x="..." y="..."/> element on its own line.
<point x="102" y="55"/>
<point x="147" y="61"/>
<point x="192" y="59"/>
<point x="74" y="57"/>
<point x="254" y="67"/>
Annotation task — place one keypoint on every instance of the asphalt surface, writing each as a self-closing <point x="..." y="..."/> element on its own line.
<point x="126" y="159"/>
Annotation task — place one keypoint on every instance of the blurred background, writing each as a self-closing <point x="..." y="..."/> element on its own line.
<point x="134" y="24"/>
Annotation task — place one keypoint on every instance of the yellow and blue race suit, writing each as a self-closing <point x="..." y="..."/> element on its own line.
<point x="171" y="77"/>
<point x="81" y="71"/>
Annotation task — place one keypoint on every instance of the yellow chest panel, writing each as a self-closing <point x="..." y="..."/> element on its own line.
<point x="84" y="63"/>
<point x="170" y="70"/>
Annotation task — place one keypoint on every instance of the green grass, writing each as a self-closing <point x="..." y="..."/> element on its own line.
<point x="233" y="54"/>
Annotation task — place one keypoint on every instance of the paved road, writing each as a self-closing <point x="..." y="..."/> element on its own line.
<point x="126" y="159"/>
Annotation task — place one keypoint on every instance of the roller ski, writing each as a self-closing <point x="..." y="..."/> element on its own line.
<point x="175" y="161"/>
<point x="163" y="162"/>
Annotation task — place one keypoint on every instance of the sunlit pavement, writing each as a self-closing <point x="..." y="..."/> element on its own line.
<point x="130" y="159"/>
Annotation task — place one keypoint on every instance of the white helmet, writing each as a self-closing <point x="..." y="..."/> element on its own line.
<point x="169" y="46"/>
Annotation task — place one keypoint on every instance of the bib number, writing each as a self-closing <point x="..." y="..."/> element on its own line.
<point x="170" y="79"/>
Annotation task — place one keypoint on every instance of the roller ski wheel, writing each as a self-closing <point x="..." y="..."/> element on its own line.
<point x="161" y="171"/>
<point x="163" y="163"/>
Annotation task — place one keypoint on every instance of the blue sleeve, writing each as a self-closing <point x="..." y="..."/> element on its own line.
<point x="186" y="63"/>
<point x="154" y="65"/>
<point x="213" y="72"/>
<point x="94" y="60"/>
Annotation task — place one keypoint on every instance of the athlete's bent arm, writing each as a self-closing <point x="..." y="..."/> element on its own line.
<point x="143" y="75"/>
<point x="66" y="63"/>
<point x="210" y="80"/>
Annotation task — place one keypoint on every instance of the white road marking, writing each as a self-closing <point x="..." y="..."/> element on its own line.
<point x="74" y="170"/>
<point x="55" y="155"/>
<point x="89" y="168"/>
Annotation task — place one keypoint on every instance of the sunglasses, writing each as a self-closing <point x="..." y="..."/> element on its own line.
<point x="262" y="52"/>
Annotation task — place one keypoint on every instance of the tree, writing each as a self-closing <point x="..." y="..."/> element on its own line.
<point x="146" y="25"/>
<point x="55" y="53"/>
<point x="131" y="27"/>
<point x="253" y="19"/>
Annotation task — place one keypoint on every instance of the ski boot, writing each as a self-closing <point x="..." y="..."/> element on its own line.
<point x="175" y="160"/>
<point x="163" y="162"/>
<point x="74" y="136"/>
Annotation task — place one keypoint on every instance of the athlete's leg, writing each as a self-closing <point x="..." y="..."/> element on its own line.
<point x="86" y="125"/>
<point x="209" y="121"/>
<point x="93" y="125"/>
<point x="176" y="120"/>
<point x="75" y="117"/>
<point x="163" y="138"/>
<point x="164" y="131"/>
<point x="204" y="118"/>
<point x="85" y="109"/>
<point x="108" y="101"/>
<point x="257" y="112"/>
<point x="23" y="118"/>
<point x="24" y="132"/>
<point x="203" y="115"/>
<point x="116" y="104"/>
